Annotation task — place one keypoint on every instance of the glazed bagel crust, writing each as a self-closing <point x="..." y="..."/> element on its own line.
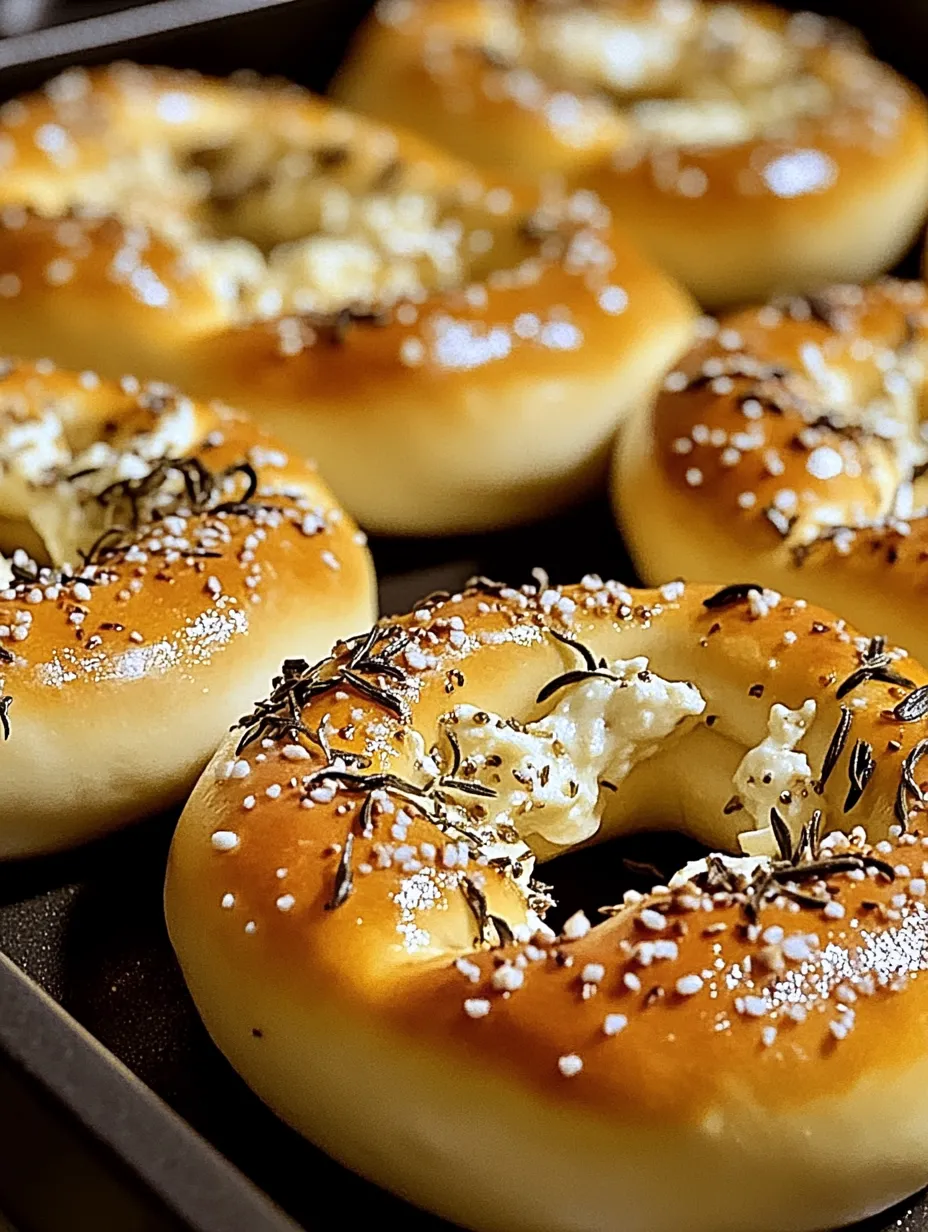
<point x="120" y="668"/>
<point x="750" y="150"/>
<point x="454" y="353"/>
<point x="326" y="922"/>
<point x="788" y="447"/>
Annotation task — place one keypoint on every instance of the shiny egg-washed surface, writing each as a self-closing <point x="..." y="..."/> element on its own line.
<point x="790" y="444"/>
<point x="455" y="351"/>
<point x="57" y="921"/>
<point x="749" y="150"/>
<point x="348" y="858"/>
<point x="179" y="551"/>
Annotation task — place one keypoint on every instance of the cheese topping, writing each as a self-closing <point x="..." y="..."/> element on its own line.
<point x="775" y="774"/>
<point x="547" y="774"/>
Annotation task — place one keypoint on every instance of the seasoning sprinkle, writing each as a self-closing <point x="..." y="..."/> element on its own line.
<point x="860" y="770"/>
<point x="728" y="596"/>
<point x="913" y="707"/>
<point x="835" y="747"/>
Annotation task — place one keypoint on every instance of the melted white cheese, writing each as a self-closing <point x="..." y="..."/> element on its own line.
<point x="771" y="768"/>
<point x="743" y="866"/>
<point x="36" y="459"/>
<point x="548" y="777"/>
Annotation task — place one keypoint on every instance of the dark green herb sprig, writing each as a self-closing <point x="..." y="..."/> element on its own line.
<point x="874" y="665"/>
<point x="835" y="748"/>
<point x="202" y="490"/>
<point x="860" y="769"/>
<point x="907" y="785"/>
<point x="344" y="876"/>
<point x="591" y="669"/>
<point x="477" y="901"/>
<point x="728" y="596"/>
<point x="5" y="704"/>
<point x="368" y="655"/>
<point x="797" y="863"/>
<point x="913" y="707"/>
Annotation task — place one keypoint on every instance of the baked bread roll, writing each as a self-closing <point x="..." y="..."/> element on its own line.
<point x="350" y="893"/>
<point x="788" y="447"/>
<point x="454" y="353"/>
<point x="751" y="151"/>
<point x="158" y="557"/>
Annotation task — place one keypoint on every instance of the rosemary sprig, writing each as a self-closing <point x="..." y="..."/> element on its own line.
<point x="728" y="596"/>
<point x="835" y="747"/>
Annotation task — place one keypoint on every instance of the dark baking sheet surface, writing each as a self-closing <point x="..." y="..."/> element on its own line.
<point x="88" y="926"/>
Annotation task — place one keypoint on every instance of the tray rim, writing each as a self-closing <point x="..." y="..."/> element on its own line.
<point x="169" y="1160"/>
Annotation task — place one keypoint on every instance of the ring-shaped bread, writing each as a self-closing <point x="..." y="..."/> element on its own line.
<point x="349" y="893"/>
<point x="790" y="446"/>
<point x="454" y="353"/>
<point x="750" y="150"/>
<point x="159" y="556"/>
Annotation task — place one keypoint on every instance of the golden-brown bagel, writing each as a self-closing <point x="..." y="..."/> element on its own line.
<point x="455" y="353"/>
<point x="356" y="920"/>
<point x="789" y="448"/>
<point x="180" y="552"/>
<point x="751" y="151"/>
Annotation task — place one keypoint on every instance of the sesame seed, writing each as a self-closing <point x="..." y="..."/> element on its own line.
<point x="468" y="969"/>
<point x="295" y="752"/>
<point x="652" y="920"/>
<point x="285" y="902"/>
<point x="570" y="1065"/>
<point x="796" y="948"/>
<point x="248" y="802"/>
<point x="694" y="476"/>
<point x="672" y="591"/>
<point x="688" y="985"/>
<point x="577" y="926"/>
<point x="476" y="1007"/>
<point x="834" y="910"/>
<point x="754" y="1007"/>
<point x="228" y="901"/>
<point x="675" y="382"/>
<point x="768" y="1036"/>
<point x="412" y="352"/>
<point x="593" y="973"/>
<point x="507" y="978"/>
<point x="917" y="887"/>
<point x="614" y="1023"/>
<point x="224" y="840"/>
<point x="251" y="927"/>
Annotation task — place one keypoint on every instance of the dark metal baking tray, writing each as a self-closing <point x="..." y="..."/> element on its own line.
<point x="104" y="1065"/>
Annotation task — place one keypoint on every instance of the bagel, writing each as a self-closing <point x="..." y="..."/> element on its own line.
<point x="160" y="554"/>
<point x="455" y="354"/>
<point x="751" y="151"/>
<point x="787" y="447"/>
<point x="357" y="921"/>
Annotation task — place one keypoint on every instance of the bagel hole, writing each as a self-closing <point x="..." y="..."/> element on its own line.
<point x="591" y="878"/>
<point x="697" y="74"/>
<point x="335" y="229"/>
